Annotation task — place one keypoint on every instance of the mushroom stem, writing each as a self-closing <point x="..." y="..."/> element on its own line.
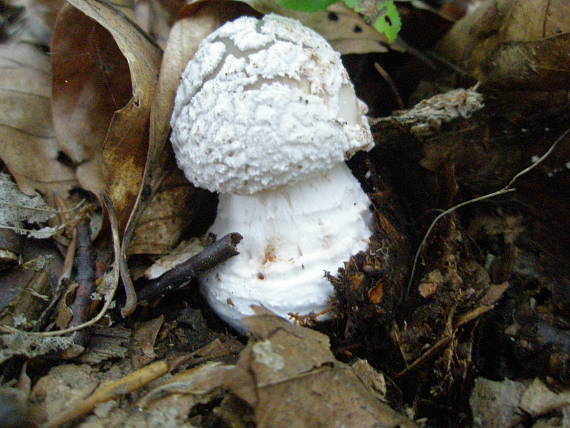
<point x="292" y="235"/>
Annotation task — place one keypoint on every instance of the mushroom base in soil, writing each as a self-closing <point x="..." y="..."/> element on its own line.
<point x="292" y="235"/>
<point x="266" y="115"/>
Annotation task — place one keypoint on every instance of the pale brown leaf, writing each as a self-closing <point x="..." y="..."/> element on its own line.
<point x="28" y="145"/>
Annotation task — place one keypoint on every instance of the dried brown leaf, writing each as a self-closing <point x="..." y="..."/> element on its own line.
<point x="290" y="377"/>
<point x="90" y="82"/>
<point x="508" y="403"/>
<point x="324" y="398"/>
<point x="144" y="339"/>
<point x="29" y="148"/>
<point x="513" y="43"/>
<point x="370" y="377"/>
<point x="196" y="381"/>
<point x="106" y="344"/>
<point x="167" y="216"/>
<point x="105" y="72"/>
<point x="108" y="391"/>
<point x="542" y="64"/>
<point x="64" y="384"/>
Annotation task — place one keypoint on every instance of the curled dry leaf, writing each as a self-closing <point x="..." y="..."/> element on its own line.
<point x="29" y="148"/>
<point x="512" y="43"/>
<point x="157" y="17"/>
<point x="105" y="72"/>
<point x="90" y="82"/>
<point x="183" y="42"/>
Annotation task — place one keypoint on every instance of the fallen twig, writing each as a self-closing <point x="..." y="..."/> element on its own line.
<point x="112" y="283"/>
<point x="487" y="303"/>
<point x="85" y="275"/>
<point x="391" y="84"/>
<point x="212" y="255"/>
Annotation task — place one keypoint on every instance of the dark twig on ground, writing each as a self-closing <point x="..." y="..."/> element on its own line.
<point x="173" y="280"/>
<point x="85" y="263"/>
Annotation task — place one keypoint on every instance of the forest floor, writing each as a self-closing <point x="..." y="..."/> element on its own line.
<point x="458" y="314"/>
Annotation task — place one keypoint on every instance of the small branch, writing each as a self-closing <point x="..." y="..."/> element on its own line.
<point x="85" y="259"/>
<point x="391" y="84"/>
<point x="211" y="256"/>
<point x="506" y="189"/>
<point x="112" y="282"/>
<point x="431" y="352"/>
<point x="110" y="390"/>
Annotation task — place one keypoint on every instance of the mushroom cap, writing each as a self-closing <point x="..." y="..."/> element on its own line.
<point x="264" y="103"/>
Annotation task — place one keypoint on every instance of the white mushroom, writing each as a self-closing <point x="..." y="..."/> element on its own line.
<point x="266" y="115"/>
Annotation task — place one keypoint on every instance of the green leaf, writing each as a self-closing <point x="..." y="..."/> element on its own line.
<point x="353" y="4"/>
<point x="389" y="21"/>
<point x="306" y="5"/>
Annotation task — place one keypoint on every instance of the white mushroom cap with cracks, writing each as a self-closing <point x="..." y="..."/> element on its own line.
<point x="266" y="115"/>
<point x="264" y="103"/>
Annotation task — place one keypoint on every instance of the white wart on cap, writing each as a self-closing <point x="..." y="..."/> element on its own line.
<point x="266" y="115"/>
<point x="264" y="103"/>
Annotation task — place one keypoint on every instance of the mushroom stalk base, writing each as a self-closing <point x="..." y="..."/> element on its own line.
<point x="291" y="235"/>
